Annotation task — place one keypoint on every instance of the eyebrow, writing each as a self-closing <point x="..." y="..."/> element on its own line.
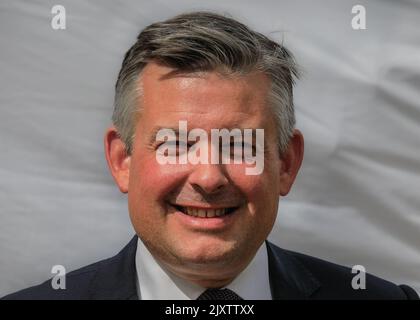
<point x="155" y="131"/>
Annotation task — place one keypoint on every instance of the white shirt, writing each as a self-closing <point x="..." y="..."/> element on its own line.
<point x="154" y="282"/>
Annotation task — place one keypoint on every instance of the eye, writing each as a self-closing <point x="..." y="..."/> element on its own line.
<point x="167" y="144"/>
<point x="249" y="148"/>
<point x="173" y="147"/>
<point x="236" y="147"/>
<point x="241" y="148"/>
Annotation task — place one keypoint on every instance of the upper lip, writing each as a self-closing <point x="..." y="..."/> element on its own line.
<point x="205" y="206"/>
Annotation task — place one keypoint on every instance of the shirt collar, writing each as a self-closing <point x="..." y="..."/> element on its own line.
<point x="155" y="282"/>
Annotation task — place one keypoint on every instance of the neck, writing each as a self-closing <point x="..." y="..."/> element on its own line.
<point x="207" y="275"/>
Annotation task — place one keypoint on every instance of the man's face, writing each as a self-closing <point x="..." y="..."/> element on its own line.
<point x="163" y="198"/>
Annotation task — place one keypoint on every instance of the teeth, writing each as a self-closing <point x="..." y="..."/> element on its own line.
<point x="191" y="211"/>
<point x="203" y="213"/>
<point x="211" y="213"/>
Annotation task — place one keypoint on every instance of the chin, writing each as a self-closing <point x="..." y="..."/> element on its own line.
<point x="208" y="253"/>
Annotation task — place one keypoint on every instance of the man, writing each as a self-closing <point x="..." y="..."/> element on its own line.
<point x="202" y="224"/>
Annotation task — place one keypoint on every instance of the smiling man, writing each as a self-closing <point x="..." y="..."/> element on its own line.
<point x="173" y="207"/>
<point x="201" y="226"/>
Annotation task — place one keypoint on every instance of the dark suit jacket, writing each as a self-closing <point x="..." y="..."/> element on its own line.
<point x="292" y="276"/>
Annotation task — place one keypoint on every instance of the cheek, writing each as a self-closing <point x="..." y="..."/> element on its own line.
<point x="153" y="181"/>
<point x="255" y="187"/>
<point x="149" y="185"/>
<point x="261" y="194"/>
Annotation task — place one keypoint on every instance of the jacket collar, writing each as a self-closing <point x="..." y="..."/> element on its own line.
<point x="289" y="278"/>
<point x="116" y="277"/>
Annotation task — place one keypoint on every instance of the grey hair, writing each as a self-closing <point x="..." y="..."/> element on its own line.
<point x="200" y="42"/>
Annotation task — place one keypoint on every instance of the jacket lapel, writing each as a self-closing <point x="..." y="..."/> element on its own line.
<point x="116" y="277"/>
<point x="289" y="279"/>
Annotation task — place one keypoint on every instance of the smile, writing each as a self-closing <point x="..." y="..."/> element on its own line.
<point x="205" y="212"/>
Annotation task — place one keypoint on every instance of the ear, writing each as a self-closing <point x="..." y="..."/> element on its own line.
<point x="291" y="161"/>
<point x="117" y="158"/>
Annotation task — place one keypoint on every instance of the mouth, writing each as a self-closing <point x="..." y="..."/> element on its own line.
<point x="201" y="212"/>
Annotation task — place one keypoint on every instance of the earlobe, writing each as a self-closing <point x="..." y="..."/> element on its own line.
<point x="117" y="158"/>
<point x="291" y="161"/>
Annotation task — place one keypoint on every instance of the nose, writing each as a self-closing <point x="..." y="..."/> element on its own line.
<point x="210" y="178"/>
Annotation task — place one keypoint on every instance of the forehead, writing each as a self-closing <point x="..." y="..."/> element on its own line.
<point x="204" y="98"/>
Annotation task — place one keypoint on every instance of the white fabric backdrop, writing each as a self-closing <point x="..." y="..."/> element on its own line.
<point x="355" y="201"/>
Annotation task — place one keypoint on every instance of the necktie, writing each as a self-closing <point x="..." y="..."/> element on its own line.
<point x="219" y="294"/>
